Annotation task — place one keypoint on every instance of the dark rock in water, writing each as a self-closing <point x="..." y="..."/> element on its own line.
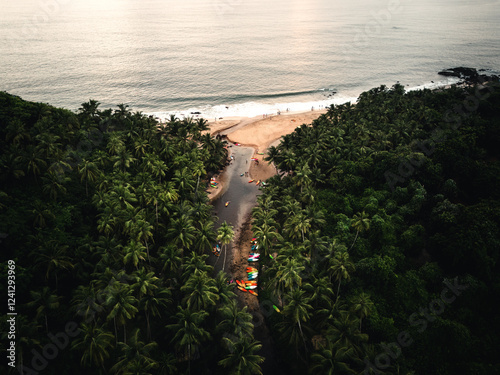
<point x="461" y="72"/>
<point x="469" y="75"/>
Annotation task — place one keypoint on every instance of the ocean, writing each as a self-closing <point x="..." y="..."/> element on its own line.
<point x="233" y="57"/>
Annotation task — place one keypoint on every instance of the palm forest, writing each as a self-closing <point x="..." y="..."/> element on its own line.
<point x="379" y="239"/>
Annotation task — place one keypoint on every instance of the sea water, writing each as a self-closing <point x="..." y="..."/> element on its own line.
<point x="233" y="57"/>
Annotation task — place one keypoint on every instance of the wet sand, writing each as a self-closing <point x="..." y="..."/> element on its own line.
<point x="258" y="133"/>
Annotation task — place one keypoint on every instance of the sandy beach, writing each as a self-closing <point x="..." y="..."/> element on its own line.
<point x="259" y="133"/>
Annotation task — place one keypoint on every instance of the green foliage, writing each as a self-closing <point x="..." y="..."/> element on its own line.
<point x="106" y="217"/>
<point x="409" y="199"/>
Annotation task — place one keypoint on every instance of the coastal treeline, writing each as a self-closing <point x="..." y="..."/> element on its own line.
<point x="380" y="237"/>
<point x="105" y="216"/>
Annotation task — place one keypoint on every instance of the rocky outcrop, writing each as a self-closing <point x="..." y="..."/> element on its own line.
<point x="469" y="75"/>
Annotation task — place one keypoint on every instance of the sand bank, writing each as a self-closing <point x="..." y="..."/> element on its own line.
<point x="258" y="133"/>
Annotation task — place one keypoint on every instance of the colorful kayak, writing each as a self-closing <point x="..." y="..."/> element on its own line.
<point x="250" y="181"/>
<point x="227" y="203"/>
<point x="249" y="287"/>
<point x="246" y="282"/>
<point x="258" y="182"/>
<point x="277" y="310"/>
<point x="241" y="288"/>
<point x="253" y="292"/>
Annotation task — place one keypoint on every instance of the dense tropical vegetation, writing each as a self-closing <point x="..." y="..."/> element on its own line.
<point x="379" y="240"/>
<point x="106" y="217"/>
<point x="383" y="227"/>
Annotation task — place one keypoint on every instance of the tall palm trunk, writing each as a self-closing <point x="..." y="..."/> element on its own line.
<point x="148" y="326"/>
<point x="147" y="250"/>
<point x="338" y="291"/>
<point x="116" y="332"/>
<point x="225" y="253"/>
<point x="355" y="238"/>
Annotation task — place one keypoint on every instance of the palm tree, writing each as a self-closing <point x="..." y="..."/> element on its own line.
<point x="53" y="184"/>
<point x="361" y="223"/>
<point x="143" y="232"/>
<point x="225" y="235"/>
<point x="44" y="301"/>
<point x="235" y="320"/>
<point x="135" y="352"/>
<point x="89" y="172"/>
<point x="266" y="235"/>
<point x="198" y="171"/>
<point x="182" y="231"/>
<point x="343" y="332"/>
<point x="115" y="143"/>
<point x="153" y="303"/>
<point x="53" y="256"/>
<point x="123" y="160"/>
<point x="122" y="304"/>
<point x="33" y="162"/>
<point x="206" y="235"/>
<point x="289" y="273"/>
<point x="94" y="344"/>
<point x="224" y="289"/>
<point x="332" y="361"/>
<point x="144" y="283"/>
<point x="242" y="358"/>
<point x="341" y="268"/>
<point x="134" y="253"/>
<point x="195" y="262"/>
<point x="188" y="331"/>
<point x="320" y="290"/>
<point x="172" y="261"/>
<point x="87" y="302"/>
<point x="297" y="310"/>
<point x="200" y="291"/>
<point x="362" y="306"/>
<point x="297" y="225"/>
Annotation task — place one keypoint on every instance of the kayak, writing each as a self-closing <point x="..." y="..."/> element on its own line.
<point x="277" y="310"/>
<point x="250" y="287"/>
<point x="258" y="182"/>
<point x="250" y="181"/>
<point x="246" y="282"/>
<point x="242" y="289"/>
<point x="253" y="292"/>
<point x="227" y="203"/>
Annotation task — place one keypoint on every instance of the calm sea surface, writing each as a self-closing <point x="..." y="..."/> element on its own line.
<point x="253" y="57"/>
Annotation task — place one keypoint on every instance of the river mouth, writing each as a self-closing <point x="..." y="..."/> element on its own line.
<point x="240" y="196"/>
